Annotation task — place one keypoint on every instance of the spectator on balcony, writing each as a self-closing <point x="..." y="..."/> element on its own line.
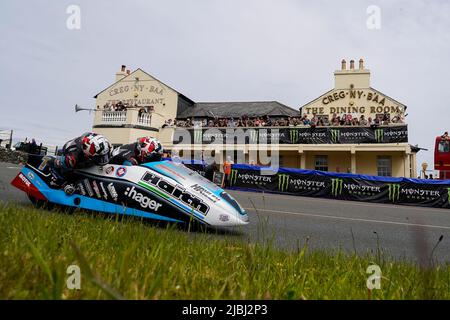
<point x="306" y="121"/>
<point x="282" y="123"/>
<point x="231" y="123"/>
<point x="398" y="119"/>
<point x="445" y="136"/>
<point x="168" y="123"/>
<point x="362" y="121"/>
<point x="141" y="112"/>
<point x="385" y="119"/>
<point x="314" y="121"/>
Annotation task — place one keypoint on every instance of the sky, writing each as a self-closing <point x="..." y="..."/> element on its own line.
<point x="211" y="50"/>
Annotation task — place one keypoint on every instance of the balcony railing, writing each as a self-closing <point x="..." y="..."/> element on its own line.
<point x="114" y="117"/>
<point x="144" y="119"/>
<point x="129" y="117"/>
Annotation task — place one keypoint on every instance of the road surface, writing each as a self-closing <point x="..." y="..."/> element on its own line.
<point x="400" y="231"/>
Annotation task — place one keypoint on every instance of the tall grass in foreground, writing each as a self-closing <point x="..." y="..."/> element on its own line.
<point x="134" y="260"/>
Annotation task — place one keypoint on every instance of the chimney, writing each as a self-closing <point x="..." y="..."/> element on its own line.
<point x="344" y="64"/>
<point x="361" y="64"/>
<point x="121" y="74"/>
<point x="352" y="64"/>
<point x="128" y="72"/>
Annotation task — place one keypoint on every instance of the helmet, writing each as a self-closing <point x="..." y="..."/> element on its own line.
<point x="149" y="149"/>
<point x="96" y="147"/>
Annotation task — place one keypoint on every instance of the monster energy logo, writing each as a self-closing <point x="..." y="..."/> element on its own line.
<point x="336" y="186"/>
<point x="448" y="194"/>
<point x="198" y="136"/>
<point x="394" y="192"/>
<point x="283" y="182"/>
<point x="233" y="176"/>
<point x="293" y="134"/>
<point x="335" y="135"/>
<point x="253" y="136"/>
<point x="379" y="135"/>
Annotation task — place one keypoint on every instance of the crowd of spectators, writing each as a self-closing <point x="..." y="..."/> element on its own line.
<point x="266" y="121"/>
<point x="117" y="106"/>
<point x="122" y="106"/>
<point x="314" y="121"/>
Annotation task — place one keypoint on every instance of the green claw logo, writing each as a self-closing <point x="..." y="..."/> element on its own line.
<point x="335" y="135"/>
<point x="394" y="192"/>
<point x="253" y="136"/>
<point x="293" y="134"/>
<point x="197" y="136"/>
<point x="379" y="135"/>
<point x="283" y="182"/>
<point x="233" y="176"/>
<point x="336" y="186"/>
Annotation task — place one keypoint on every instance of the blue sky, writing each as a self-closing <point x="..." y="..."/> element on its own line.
<point x="219" y="51"/>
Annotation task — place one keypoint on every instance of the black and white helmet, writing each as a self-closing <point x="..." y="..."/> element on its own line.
<point x="96" y="148"/>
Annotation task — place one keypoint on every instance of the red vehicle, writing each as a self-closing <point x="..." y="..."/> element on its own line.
<point x="442" y="157"/>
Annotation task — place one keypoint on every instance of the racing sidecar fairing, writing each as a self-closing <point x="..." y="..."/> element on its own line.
<point x="162" y="190"/>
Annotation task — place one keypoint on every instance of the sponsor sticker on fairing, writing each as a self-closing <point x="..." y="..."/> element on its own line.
<point x="224" y="217"/>
<point x="105" y="194"/>
<point x="30" y="175"/>
<point x="109" y="170"/>
<point x="88" y="188"/>
<point x="144" y="202"/>
<point x="25" y="180"/>
<point x="121" y="172"/>
<point x="205" y="192"/>
<point x="173" y="191"/>
<point x="81" y="189"/>
<point x="112" y="191"/>
<point x="96" y="189"/>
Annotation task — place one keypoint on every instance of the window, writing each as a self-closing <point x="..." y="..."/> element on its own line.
<point x="321" y="163"/>
<point x="444" y="146"/>
<point x="384" y="166"/>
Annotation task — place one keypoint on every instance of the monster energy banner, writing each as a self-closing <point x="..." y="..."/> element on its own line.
<point x="292" y="135"/>
<point x="433" y="193"/>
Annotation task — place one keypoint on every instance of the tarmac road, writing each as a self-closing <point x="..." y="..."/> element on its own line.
<point x="289" y="221"/>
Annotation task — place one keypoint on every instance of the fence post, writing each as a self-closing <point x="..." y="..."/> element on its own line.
<point x="10" y="140"/>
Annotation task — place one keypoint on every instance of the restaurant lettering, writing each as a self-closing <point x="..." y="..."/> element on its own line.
<point x="381" y="105"/>
<point x="135" y="88"/>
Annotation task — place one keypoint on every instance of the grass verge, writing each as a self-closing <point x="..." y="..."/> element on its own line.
<point x="134" y="260"/>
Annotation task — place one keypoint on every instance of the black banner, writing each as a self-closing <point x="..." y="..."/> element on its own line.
<point x="292" y="135"/>
<point x="342" y="186"/>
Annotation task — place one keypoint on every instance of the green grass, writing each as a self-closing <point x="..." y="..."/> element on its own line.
<point x="134" y="260"/>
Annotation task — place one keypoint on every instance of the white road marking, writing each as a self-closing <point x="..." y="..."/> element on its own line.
<point x="12" y="167"/>
<point x="352" y="219"/>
